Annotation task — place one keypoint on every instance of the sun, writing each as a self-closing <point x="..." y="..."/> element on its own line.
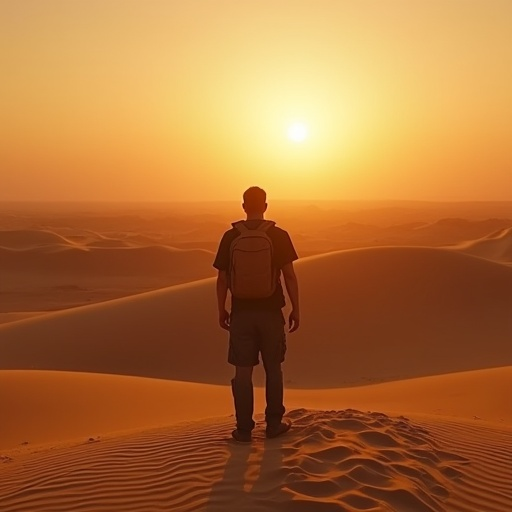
<point x="298" y="132"/>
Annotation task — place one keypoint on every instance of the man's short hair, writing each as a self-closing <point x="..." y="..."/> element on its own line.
<point x="255" y="198"/>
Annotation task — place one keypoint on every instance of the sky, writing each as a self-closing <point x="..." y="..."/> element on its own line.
<point x="164" y="100"/>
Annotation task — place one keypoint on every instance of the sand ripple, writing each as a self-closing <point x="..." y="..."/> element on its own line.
<point x="330" y="461"/>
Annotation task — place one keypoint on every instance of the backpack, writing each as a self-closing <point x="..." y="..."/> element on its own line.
<point x="252" y="274"/>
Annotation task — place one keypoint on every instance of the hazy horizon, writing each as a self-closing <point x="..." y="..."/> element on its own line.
<point x="176" y="101"/>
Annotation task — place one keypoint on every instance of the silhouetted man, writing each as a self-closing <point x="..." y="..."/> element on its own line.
<point x="256" y="322"/>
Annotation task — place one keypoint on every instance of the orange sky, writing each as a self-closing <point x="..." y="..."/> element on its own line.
<point x="168" y="99"/>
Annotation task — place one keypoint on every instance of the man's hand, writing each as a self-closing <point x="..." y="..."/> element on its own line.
<point x="294" y="321"/>
<point x="224" y="319"/>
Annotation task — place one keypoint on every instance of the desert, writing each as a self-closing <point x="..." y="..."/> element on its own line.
<point x="115" y="385"/>
<point x="255" y="256"/>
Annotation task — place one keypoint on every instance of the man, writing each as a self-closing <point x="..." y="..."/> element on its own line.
<point x="256" y="325"/>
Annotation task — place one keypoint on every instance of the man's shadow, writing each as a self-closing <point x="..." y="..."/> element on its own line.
<point x="253" y="477"/>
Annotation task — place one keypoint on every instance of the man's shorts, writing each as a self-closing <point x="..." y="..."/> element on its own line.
<point x="252" y="332"/>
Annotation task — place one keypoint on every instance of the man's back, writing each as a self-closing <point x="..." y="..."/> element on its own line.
<point x="283" y="252"/>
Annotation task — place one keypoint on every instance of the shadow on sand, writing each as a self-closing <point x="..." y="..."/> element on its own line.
<point x="252" y="479"/>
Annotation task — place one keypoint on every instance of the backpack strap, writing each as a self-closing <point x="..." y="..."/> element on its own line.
<point x="240" y="226"/>
<point x="264" y="226"/>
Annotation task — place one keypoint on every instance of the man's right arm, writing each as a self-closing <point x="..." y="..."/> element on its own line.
<point x="292" y="287"/>
<point x="222" y="293"/>
<point x="221" y="263"/>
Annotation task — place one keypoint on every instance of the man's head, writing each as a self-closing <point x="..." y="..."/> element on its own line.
<point x="255" y="201"/>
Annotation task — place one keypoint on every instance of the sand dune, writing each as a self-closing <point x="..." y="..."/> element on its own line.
<point x="330" y="461"/>
<point x="43" y="270"/>
<point x="450" y="230"/>
<point x="44" y="254"/>
<point x="314" y="229"/>
<point x="327" y="236"/>
<point x="496" y="246"/>
<point x="52" y="407"/>
<point x="398" y="381"/>
<point x="369" y="315"/>
<point x="53" y="278"/>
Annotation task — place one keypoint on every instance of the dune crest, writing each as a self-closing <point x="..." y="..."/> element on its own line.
<point x="22" y="239"/>
<point x="495" y="246"/>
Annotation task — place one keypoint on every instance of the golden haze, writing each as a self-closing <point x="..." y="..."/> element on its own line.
<point x="166" y="100"/>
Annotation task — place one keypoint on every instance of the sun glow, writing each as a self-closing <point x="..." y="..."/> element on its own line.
<point x="298" y="132"/>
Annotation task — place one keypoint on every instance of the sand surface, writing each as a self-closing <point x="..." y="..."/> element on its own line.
<point x="69" y="406"/>
<point x="331" y="460"/>
<point x="398" y="381"/>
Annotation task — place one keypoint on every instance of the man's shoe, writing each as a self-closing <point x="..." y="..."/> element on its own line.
<point x="241" y="436"/>
<point x="277" y="430"/>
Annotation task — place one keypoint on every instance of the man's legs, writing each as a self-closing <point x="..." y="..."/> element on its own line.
<point x="273" y="348"/>
<point x="243" y="396"/>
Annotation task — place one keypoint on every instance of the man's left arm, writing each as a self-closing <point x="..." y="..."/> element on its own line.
<point x="288" y="255"/>
<point x="292" y="287"/>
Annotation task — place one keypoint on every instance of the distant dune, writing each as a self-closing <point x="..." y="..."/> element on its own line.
<point x="368" y="315"/>
<point x="496" y="246"/>
<point x="453" y="230"/>
<point x="44" y="252"/>
<point x="31" y="238"/>
<point x="327" y="237"/>
<point x="41" y="270"/>
<point x="110" y="261"/>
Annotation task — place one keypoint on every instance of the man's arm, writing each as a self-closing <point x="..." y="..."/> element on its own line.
<point x="292" y="287"/>
<point x="222" y="294"/>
